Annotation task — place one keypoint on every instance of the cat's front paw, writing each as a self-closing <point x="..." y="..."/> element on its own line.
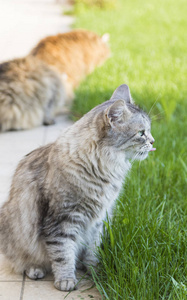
<point x="66" y="284"/>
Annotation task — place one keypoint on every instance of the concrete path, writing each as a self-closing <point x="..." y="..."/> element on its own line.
<point x="22" y="24"/>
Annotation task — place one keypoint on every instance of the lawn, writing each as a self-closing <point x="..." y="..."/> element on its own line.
<point x="143" y="256"/>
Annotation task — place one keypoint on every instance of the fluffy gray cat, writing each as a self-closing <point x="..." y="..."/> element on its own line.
<point x="30" y="93"/>
<point x="61" y="192"/>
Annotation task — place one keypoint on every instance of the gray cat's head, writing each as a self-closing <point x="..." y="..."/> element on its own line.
<point x="124" y="126"/>
<point x="129" y="125"/>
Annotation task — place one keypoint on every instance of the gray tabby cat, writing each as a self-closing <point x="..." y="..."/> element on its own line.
<point x="61" y="192"/>
<point x="31" y="93"/>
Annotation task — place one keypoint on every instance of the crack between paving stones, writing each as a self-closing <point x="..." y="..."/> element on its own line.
<point x="22" y="287"/>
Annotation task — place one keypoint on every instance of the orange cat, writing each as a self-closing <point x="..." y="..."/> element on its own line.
<point x="75" y="53"/>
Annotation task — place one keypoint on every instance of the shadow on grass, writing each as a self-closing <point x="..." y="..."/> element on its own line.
<point x="86" y="99"/>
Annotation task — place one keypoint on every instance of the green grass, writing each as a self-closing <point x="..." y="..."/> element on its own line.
<point x="144" y="255"/>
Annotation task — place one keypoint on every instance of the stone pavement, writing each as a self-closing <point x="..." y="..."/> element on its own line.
<point x="22" y="24"/>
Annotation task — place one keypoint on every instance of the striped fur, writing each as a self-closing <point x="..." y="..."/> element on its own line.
<point x="61" y="192"/>
<point x="30" y="92"/>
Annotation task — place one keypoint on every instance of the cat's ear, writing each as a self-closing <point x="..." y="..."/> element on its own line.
<point x="117" y="111"/>
<point x="105" y="38"/>
<point x="122" y="93"/>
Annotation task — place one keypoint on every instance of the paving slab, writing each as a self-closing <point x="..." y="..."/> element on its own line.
<point x="45" y="290"/>
<point x="24" y="22"/>
<point x="10" y="290"/>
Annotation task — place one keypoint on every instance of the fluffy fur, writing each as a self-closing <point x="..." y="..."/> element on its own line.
<point x="61" y="192"/>
<point x="30" y="92"/>
<point x="75" y="53"/>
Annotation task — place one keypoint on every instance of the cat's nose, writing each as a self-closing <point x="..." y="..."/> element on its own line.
<point x="152" y="141"/>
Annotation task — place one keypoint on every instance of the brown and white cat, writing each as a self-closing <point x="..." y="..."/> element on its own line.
<point x="61" y="192"/>
<point x="36" y="88"/>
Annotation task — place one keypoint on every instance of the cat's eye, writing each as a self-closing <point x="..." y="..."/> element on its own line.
<point x="141" y="133"/>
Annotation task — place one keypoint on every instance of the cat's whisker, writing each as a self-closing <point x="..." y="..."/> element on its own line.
<point x="155" y="116"/>
<point x="140" y="163"/>
<point x="134" y="158"/>
<point x="153" y="105"/>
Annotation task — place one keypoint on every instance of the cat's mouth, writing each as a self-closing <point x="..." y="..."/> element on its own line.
<point x="145" y="153"/>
